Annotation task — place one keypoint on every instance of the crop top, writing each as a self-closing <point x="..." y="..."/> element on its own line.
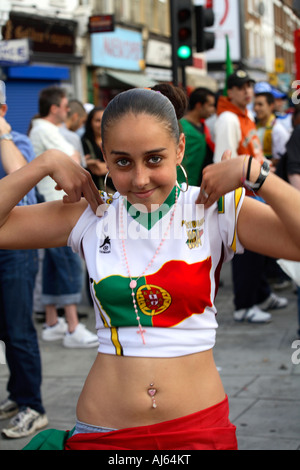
<point x="175" y="297"/>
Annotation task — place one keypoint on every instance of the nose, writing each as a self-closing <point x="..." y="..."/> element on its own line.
<point x="140" y="177"/>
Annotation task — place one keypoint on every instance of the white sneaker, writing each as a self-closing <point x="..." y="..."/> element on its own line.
<point x="8" y="408"/>
<point x="252" y="315"/>
<point x="52" y="333"/>
<point x="273" y="302"/>
<point x="80" y="338"/>
<point x="26" y="422"/>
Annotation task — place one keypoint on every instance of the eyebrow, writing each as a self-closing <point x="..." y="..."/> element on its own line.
<point x="149" y="152"/>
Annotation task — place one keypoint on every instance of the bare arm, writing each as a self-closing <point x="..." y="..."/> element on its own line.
<point x="47" y="224"/>
<point x="272" y="228"/>
<point x="295" y="180"/>
<point x="11" y="157"/>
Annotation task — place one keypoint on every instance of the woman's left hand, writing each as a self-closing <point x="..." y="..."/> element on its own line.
<point x="220" y="178"/>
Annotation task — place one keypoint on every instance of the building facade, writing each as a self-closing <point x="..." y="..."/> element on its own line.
<point x="270" y="27"/>
<point x="67" y="49"/>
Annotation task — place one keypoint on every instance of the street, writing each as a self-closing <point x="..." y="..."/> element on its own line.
<point x="259" y="366"/>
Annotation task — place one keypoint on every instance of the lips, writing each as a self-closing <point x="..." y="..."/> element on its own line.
<point x="144" y="194"/>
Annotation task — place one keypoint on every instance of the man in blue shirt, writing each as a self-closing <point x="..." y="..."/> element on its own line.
<point x="18" y="269"/>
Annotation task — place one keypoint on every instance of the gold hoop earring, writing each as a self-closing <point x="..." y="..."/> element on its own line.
<point x="105" y="188"/>
<point x="186" y="180"/>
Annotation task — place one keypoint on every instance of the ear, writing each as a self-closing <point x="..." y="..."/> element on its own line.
<point x="180" y="149"/>
<point x="3" y="110"/>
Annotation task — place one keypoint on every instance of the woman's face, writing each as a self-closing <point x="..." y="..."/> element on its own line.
<point x="96" y="122"/>
<point x="142" y="156"/>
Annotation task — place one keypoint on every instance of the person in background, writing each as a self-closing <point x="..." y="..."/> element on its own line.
<point x="62" y="269"/>
<point x="273" y="137"/>
<point x="291" y="169"/>
<point x="18" y="269"/>
<point x="282" y="111"/>
<point x="76" y="118"/>
<point x="272" y="134"/>
<point x="236" y="131"/>
<point x="199" y="146"/>
<point x="92" y="141"/>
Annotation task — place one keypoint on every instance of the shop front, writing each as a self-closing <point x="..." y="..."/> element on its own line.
<point x="117" y="63"/>
<point x="53" y="61"/>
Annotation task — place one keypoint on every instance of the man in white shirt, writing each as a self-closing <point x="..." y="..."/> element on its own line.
<point x="62" y="269"/>
<point x="272" y="134"/>
<point x="76" y="118"/>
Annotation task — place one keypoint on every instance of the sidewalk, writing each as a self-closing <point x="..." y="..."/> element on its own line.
<point x="255" y="363"/>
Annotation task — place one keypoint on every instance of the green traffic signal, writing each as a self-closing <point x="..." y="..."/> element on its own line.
<point x="184" y="52"/>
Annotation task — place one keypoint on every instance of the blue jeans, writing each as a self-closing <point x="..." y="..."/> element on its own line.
<point x="18" y="270"/>
<point x="83" y="428"/>
<point x="62" y="277"/>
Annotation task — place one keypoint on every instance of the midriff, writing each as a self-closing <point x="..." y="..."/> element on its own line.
<point x="115" y="394"/>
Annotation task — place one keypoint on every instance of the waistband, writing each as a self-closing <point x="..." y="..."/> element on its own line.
<point x="209" y="429"/>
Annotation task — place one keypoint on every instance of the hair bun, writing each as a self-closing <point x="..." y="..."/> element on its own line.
<point x="176" y="95"/>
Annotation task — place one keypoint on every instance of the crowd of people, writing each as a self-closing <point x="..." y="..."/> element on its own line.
<point x="185" y="147"/>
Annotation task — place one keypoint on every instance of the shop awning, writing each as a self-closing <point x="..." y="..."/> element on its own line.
<point x="137" y="80"/>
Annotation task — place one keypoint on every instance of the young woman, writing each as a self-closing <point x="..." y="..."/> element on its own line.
<point x="154" y="256"/>
<point x="91" y="142"/>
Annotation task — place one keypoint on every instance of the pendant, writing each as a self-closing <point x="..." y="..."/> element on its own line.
<point x="152" y="392"/>
<point x="133" y="284"/>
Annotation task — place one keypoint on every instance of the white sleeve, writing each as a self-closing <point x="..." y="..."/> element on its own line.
<point x="84" y="222"/>
<point x="228" y="135"/>
<point x="280" y="137"/>
<point x="229" y="209"/>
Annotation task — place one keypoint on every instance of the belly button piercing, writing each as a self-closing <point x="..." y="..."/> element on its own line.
<point x="152" y="392"/>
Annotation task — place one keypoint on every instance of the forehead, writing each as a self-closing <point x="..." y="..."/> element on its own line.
<point x="98" y="114"/>
<point x="139" y="130"/>
<point x="140" y="122"/>
<point x="261" y="99"/>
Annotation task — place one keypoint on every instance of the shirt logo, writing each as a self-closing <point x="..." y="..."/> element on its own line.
<point x="194" y="233"/>
<point x="106" y="246"/>
<point x="153" y="300"/>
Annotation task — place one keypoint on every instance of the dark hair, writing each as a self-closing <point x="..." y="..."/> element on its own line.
<point x="164" y="102"/>
<point x="89" y="132"/>
<point x="199" y="95"/>
<point x="48" y="97"/>
<point x="269" y="97"/>
<point x="76" y="106"/>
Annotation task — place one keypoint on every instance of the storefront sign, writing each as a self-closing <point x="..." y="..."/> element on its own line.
<point x="122" y="49"/>
<point x="48" y="35"/>
<point x="101" y="24"/>
<point x="159" y="54"/>
<point x="14" y="52"/>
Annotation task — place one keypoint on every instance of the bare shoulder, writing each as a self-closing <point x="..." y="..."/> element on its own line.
<point x="44" y="225"/>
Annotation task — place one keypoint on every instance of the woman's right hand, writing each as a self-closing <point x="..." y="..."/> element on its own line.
<point x="72" y="178"/>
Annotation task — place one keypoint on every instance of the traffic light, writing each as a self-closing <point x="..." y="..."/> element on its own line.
<point x="182" y="18"/>
<point x="205" y="18"/>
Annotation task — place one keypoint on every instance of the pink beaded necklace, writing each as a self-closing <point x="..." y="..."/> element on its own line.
<point x="133" y="282"/>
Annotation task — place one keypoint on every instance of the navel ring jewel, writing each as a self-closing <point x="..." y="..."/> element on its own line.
<point x="152" y="392"/>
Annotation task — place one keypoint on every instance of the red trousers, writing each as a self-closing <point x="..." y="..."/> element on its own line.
<point x="209" y="429"/>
